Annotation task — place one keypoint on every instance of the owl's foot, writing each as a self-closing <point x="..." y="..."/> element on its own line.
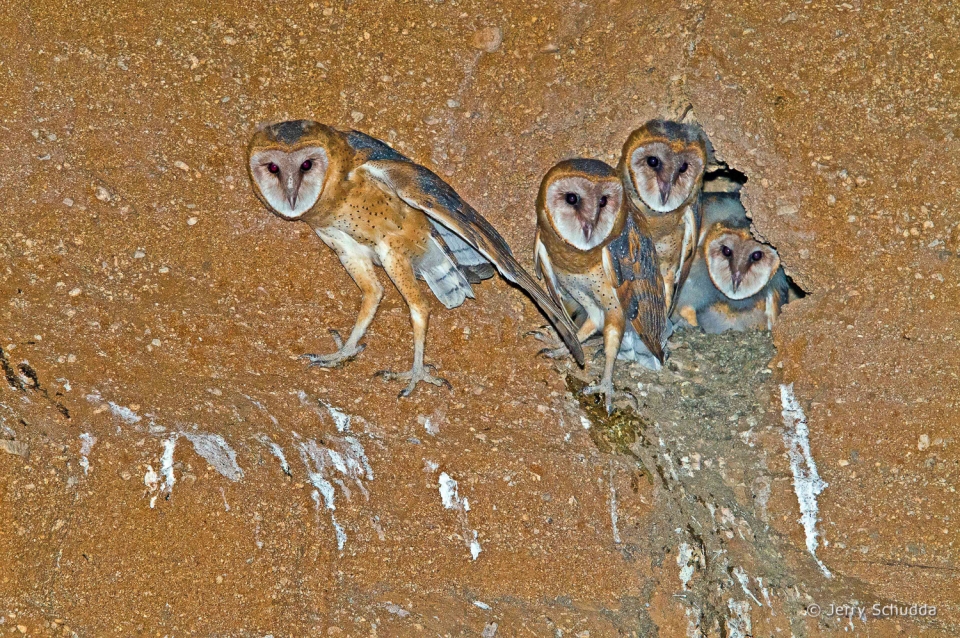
<point x="343" y="354"/>
<point x="555" y="348"/>
<point x="610" y="394"/>
<point x="415" y="376"/>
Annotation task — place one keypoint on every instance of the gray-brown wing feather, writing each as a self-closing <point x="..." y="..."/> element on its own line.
<point x="639" y="284"/>
<point x="544" y="269"/>
<point x="688" y="251"/>
<point x="425" y="191"/>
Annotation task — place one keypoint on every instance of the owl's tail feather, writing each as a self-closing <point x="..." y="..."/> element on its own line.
<point x="514" y="272"/>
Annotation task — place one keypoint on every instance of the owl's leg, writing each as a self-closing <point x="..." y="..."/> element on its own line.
<point x="401" y="272"/>
<point x="613" y="327"/>
<point x="362" y="271"/>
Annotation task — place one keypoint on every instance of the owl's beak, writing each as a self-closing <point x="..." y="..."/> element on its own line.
<point x="664" y="191"/>
<point x="588" y="230"/>
<point x="292" y="189"/>
<point x="737" y="279"/>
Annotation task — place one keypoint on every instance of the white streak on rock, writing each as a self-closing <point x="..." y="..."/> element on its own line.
<point x="481" y="605"/>
<point x="277" y="451"/>
<point x="262" y="409"/>
<point x="326" y="465"/>
<point x="448" y="492"/>
<point x="396" y="610"/>
<point x="806" y="481"/>
<point x="87" y="442"/>
<point x="166" y="465"/>
<point x="124" y="413"/>
<point x="450" y="497"/>
<point x="613" y="507"/>
<point x="162" y="483"/>
<point x="150" y="479"/>
<point x="686" y="560"/>
<point x="340" y="418"/>
<point x="217" y="453"/>
<point x="744" y="581"/>
<point x="585" y="422"/>
<point x="739" y="624"/>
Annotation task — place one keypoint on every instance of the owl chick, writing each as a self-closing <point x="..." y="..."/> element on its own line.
<point x="595" y="253"/>
<point x="662" y="166"/>
<point x="736" y="283"/>
<point x="373" y="206"/>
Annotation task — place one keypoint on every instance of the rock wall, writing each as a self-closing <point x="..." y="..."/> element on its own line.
<point x="168" y="464"/>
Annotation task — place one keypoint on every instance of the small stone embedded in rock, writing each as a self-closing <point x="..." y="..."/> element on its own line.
<point x="924" y="442"/>
<point x="67" y="202"/>
<point x="356" y="115"/>
<point x="139" y="253"/>
<point x="488" y="39"/>
<point x="18" y="448"/>
<point x="181" y="165"/>
<point x="192" y="221"/>
<point x="102" y="194"/>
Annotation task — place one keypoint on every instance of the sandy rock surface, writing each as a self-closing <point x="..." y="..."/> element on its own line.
<point x="168" y="466"/>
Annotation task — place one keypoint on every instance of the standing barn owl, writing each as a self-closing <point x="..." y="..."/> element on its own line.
<point x="596" y="255"/>
<point x="375" y="207"/>
<point x="736" y="282"/>
<point x="662" y="167"/>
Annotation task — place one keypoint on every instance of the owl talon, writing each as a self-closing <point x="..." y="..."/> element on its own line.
<point x="610" y="395"/>
<point x="337" y="339"/>
<point x="336" y="359"/>
<point x="555" y="353"/>
<point x="415" y="377"/>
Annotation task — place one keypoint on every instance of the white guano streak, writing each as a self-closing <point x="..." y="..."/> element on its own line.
<point x="806" y="481"/>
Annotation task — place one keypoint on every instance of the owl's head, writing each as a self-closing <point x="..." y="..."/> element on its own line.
<point x="738" y="264"/>
<point x="663" y="162"/>
<point x="288" y="163"/>
<point x="581" y="199"/>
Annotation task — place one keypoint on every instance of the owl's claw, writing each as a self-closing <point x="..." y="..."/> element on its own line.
<point x="610" y="395"/>
<point x="555" y="348"/>
<point x="415" y="376"/>
<point x="345" y="352"/>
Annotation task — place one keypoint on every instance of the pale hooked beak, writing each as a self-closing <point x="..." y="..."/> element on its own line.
<point x="664" y="192"/>
<point x="737" y="279"/>
<point x="292" y="190"/>
<point x="588" y="229"/>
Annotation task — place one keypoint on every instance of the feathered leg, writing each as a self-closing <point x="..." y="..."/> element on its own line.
<point x="401" y="272"/>
<point x="613" y="327"/>
<point x="361" y="269"/>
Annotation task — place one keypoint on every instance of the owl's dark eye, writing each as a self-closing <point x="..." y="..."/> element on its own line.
<point x="684" y="167"/>
<point x="603" y="201"/>
<point x="273" y="168"/>
<point x="756" y="255"/>
<point x="573" y="199"/>
<point x="726" y="251"/>
<point x="653" y="162"/>
<point x="306" y="166"/>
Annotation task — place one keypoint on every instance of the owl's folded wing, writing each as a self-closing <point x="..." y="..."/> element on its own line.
<point x="631" y="262"/>
<point x="420" y="188"/>
<point x="688" y="250"/>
